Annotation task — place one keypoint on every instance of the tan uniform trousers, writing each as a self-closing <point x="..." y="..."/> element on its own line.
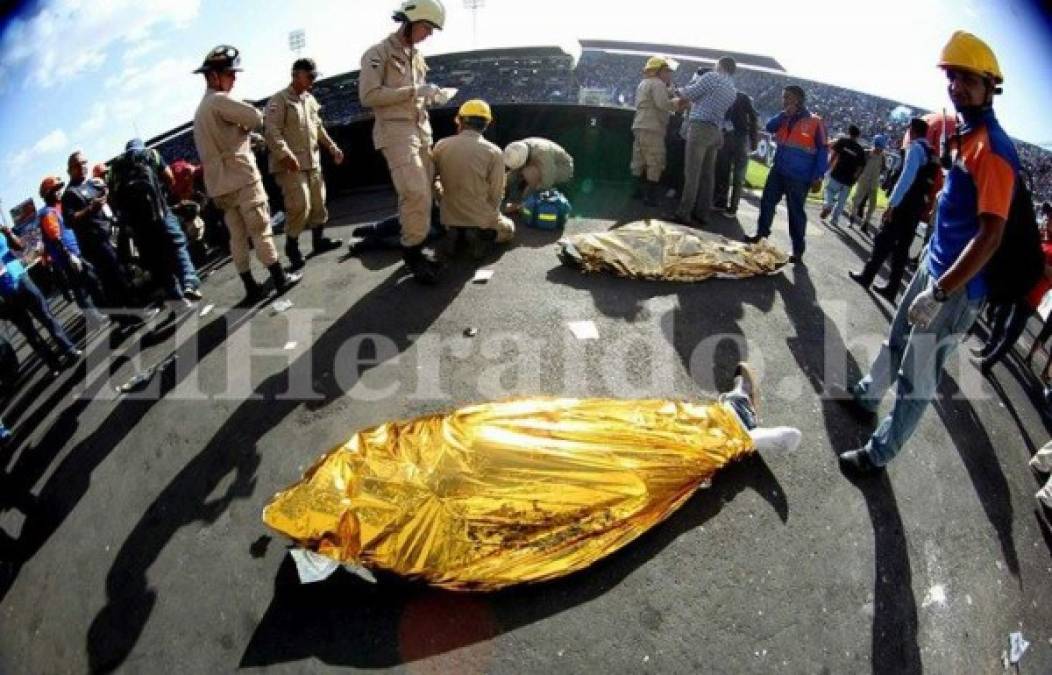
<point x="247" y="216"/>
<point x="413" y="174"/>
<point x="648" y="154"/>
<point x="304" y="194"/>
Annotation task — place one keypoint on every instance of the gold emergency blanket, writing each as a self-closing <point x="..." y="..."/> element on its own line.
<point x="503" y="493"/>
<point x="655" y="249"/>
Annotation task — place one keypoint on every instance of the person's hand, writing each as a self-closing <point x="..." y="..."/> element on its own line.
<point x="76" y="263"/>
<point x="816" y="185"/>
<point x="427" y="90"/>
<point x="444" y="96"/>
<point x="290" y="163"/>
<point x="923" y="309"/>
<point x="337" y="156"/>
<point x="98" y="203"/>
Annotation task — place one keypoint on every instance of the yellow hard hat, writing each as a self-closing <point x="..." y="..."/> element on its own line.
<point x="476" y="107"/>
<point x="656" y="63"/>
<point x="968" y="52"/>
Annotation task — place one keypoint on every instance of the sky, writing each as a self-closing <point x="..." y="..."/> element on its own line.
<point x="91" y="75"/>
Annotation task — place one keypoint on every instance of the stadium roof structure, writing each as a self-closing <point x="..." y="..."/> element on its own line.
<point x="702" y="53"/>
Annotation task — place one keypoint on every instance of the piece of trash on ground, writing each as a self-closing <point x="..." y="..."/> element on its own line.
<point x="311" y="566"/>
<point x="482" y="276"/>
<point x="279" y="306"/>
<point x="207" y="309"/>
<point x="140" y="379"/>
<point x="584" y="330"/>
<point x="290" y="345"/>
<point x="471" y="332"/>
<point x="1018" y="646"/>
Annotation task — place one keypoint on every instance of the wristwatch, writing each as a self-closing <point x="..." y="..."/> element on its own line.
<point x="939" y="294"/>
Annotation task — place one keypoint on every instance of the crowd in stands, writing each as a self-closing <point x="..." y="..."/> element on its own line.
<point x="548" y="76"/>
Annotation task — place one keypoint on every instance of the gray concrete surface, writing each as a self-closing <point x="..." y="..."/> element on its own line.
<point x="131" y="528"/>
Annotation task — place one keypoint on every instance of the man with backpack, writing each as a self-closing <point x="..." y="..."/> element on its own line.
<point x="908" y="202"/>
<point x="138" y="196"/>
<point x="732" y="162"/>
<point x="954" y="277"/>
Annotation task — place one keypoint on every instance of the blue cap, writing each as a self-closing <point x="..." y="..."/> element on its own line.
<point x="135" y="144"/>
<point x="880" y="141"/>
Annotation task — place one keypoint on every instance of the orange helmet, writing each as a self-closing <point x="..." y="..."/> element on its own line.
<point x="967" y="52"/>
<point x="49" y="185"/>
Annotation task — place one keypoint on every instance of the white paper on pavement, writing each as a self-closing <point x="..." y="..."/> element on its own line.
<point x="482" y="276"/>
<point x="584" y="330"/>
<point x="1018" y="646"/>
<point x="311" y="566"/>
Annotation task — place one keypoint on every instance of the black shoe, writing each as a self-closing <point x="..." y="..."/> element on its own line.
<point x="856" y="463"/>
<point x="283" y="281"/>
<point x="887" y="292"/>
<point x="421" y="264"/>
<point x="292" y="252"/>
<point x="860" y="279"/>
<point x="253" y="293"/>
<point x="321" y="243"/>
<point x="651" y="193"/>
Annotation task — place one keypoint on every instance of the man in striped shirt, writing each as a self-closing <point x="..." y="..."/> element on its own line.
<point x="710" y="96"/>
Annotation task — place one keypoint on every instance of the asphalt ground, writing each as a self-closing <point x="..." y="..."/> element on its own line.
<point x="131" y="532"/>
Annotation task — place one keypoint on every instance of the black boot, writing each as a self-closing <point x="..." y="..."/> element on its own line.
<point x="421" y="263"/>
<point x="253" y="293"/>
<point x="292" y="252"/>
<point x="640" y="191"/>
<point x="283" y="281"/>
<point x="321" y="243"/>
<point x="652" y="194"/>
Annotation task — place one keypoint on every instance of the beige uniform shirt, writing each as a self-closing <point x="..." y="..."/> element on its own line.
<point x="653" y="105"/>
<point x="293" y="128"/>
<point x="387" y="83"/>
<point x="221" y="128"/>
<point x="472" y="173"/>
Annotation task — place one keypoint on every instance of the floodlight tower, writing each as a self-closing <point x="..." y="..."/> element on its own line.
<point x="474" y="6"/>
<point x="297" y="41"/>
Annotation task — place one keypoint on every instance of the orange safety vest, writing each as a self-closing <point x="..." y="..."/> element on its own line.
<point x="802" y="134"/>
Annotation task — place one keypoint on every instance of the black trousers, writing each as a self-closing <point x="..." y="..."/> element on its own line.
<point x="893" y="240"/>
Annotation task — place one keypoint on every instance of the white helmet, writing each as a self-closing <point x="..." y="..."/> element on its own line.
<point x="516" y="154"/>
<point x="431" y="11"/>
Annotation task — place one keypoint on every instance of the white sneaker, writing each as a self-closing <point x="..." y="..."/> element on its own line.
<point x="1042" y="459"/>
<point x="775" y="439"/>
<point x="1044" y="495"/>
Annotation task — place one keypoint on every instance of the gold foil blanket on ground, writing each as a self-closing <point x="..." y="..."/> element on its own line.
<point x="503" y="493"/>
<point x="654" y="249"/>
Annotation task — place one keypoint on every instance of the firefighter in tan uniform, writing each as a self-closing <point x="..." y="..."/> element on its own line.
<point x="471" y="171"/>
<point x="654" y="106"/>
<point x="222" y="125"/>
<point x="393" y="83"/>
<point x="294" y="131"/>
<point x="534" y="165"/>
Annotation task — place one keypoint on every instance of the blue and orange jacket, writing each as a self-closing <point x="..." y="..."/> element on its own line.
<point x="801" y="139"/>
<point x="982" y="180"/>
<point x="58" y="239"/>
